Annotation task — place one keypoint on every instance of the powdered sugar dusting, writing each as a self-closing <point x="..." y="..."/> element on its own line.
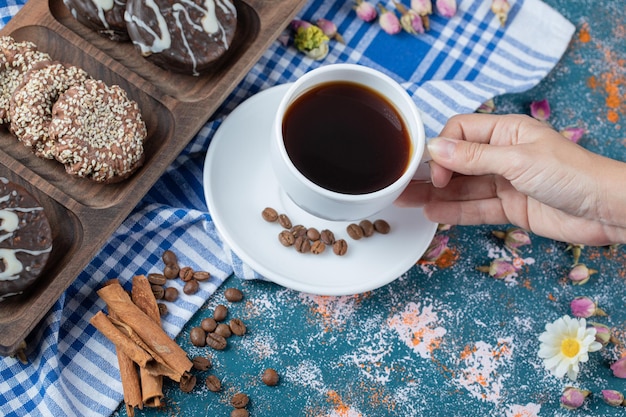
<point x="418" y="328"/>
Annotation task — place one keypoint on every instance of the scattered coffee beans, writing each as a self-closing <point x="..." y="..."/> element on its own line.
<point x="239" y="412"/>
<point x="171" y="271"/>
<point x="233" y="295"/>
<point x="216" y="341"/>
<point x="185" y="273"/>
<point x="317" y="247"/>
<point x="170" y="294"/>
<point x="302" y="244"/>
<point x="223" y="330"/>
<point x="158" y="291"/>
<point x="270" y="377"/>
<point x="327" y="237"/>
<point x="157" y="279"/>
<point x="313" y="234"/>
<point x="237" y="327"/>
<point x="367" y="227"/>
<point x="162" y="309"/>
<point x="208" y="324"/>
<point x="382" y="226"/>
<point x="191" y="287"/>
<point x="169" y="258"/>
<point x="286" y="238"/>
<point x="201" y="275"/>
<point x="201" y="363"/>
<point x="187" y="382"/>
<point x="340" y="247"/>
<point x="213" y="383"/>
<point x="269" y="214"/>
<point x="239" y="400"/>
<point x="220" y="312"/>
<point x="354" y="231"/>
<point x="284" y="221"/>
<point x="197" y="336"/>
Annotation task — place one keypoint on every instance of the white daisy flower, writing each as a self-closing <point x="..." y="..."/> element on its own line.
<point x="566" y="343"/>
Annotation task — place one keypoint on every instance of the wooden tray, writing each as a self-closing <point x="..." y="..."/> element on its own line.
<point x="84" y="214"/>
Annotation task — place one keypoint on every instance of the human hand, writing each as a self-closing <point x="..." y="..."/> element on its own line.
<point x="515" y="169"/>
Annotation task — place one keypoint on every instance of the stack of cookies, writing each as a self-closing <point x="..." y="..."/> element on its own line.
<point x="60" y="112"/>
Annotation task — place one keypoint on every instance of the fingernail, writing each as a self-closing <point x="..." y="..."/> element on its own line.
<point x="441" y="147"/>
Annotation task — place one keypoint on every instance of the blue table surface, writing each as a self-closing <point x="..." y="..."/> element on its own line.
<point x="444" y="339"/>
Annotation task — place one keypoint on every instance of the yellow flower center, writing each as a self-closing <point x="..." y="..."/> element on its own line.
<point x="570" y="347"/>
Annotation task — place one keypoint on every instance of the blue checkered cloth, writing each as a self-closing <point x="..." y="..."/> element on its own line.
<point x="453" y="68"/>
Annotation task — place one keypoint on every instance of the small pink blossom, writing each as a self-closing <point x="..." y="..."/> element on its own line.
<point x="573" y="398"/>
<point x="388" y="21"/>
<point x="603" y="333"/>
<point x="446" y="8"/>
<point x="501" y="9"/>
<point x="411" y="22"/>
<point x="540" y="110"/>
<point x="296" y="24"/>
<point x="436" y="248"/>
<point x="514" y="238"/>
<point x="329" y="29"/>
<point x="422" y="7"/>
<point x="573" y="133"/>
<point x="619" y="368"/>
<point x="585" y="307"/>
<point x="365" y="10"/>
<point x="613" y="398"/>
<point x="580" y="274"/>
<point x="499" y="268"/>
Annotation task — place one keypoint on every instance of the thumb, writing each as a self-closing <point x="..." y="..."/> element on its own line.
<point x="468" y="158"/>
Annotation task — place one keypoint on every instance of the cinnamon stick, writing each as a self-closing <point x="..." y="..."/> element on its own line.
<point x="143" y="297"/>
<point x="121" y="341"/>
<point x="119" y="302"/>
<point x="130" y="383"/>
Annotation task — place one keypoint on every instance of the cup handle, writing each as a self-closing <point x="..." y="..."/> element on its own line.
<point x="423" y="170"/>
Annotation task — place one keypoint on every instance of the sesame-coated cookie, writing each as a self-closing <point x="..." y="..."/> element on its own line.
<point x="17" y="58"/>
<point x="30" y="107"/>
<point x="99" y="132"/>
<point x="25" y="239"/>
<point x="186" y="37"/>
<point x="104" y="17"/>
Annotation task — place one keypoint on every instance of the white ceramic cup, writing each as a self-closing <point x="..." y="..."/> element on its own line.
<point x="333" y="205"/>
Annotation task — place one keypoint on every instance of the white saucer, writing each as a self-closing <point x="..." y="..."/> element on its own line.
<point x="239" y="183"/>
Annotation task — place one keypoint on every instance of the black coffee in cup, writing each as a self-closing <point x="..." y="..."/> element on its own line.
<point x="346" y="138"/>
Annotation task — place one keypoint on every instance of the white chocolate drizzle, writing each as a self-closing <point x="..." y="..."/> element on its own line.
<point x="103" y="6"/>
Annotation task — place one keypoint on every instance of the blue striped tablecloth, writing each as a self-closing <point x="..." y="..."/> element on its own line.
<point x="453" y="68"/>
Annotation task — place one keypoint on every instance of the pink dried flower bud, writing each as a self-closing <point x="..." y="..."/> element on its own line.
<point x="296" y="24"/>
<point x="329" y="29"/>
<point x="576" y="251"/>
<point x="411" y="22"/>
<point x="422" y="7"/>
<point x="573" y="133"/>
<point x="619" y="368"/>
<point x="580" y="274"/>
<point x="613" y="398"/>
<point x="501" y="9"/>
<point x="603" y="333"/>
<point x="572" y="398"/>
<point x="436" y="248"/>
<point x="585" y="307"/>
<point x="514" y="238"/>
<point x="540" y="110"/>
<point x="446" y="8"/>
<point x="388" y="21"/>
<point x="365" y="10"/>
<point x="488" y="107"/>
<point x="499" y="268"/>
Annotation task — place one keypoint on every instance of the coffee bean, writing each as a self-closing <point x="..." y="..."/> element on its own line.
<point x="269" y="214"/>
<point x="158" y="291"/>
<point x="187" y="382"/>
<point x="237" y="327"/>
<point x="201" y="275"/>
<point x="171" y="294"/>
<point x="233" y="295"/>
<point x="270" y="377"/>
<point x="354" y="231"/>
<point x="239" y="400"/>
<point x="169" y="258"/>
<point x="157" y="279"/>
<point x="191" y="287"/>
<point x="239" y="412"/>
<point x="216" y="341"/>
<point x="213" y="383"/>
<point x="340" y="247"/>
<point x="171" y="271"/>
<point x="302" y="244"/>
<point x="185" y="273"/>
<point x="197" y="336"/>
<point x="317" y="247"/>
<point x="327" y="237"/>
<point x="223" y="330"/>
<point x="313" y="234"/>
<point x="220" y="312"/>
<point x="208" y="324"/>
<point x="201" y="363"/>
<point x="298" y="231"/>
<point x="368" y="227"/>
<point x="284" y="221"/>
<point x="162" y="309"/>
<point x="381" y="226"/>
<point x="286" y="238"/>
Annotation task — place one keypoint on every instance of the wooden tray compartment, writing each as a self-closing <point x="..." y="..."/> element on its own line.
<point x="84" y="214"/>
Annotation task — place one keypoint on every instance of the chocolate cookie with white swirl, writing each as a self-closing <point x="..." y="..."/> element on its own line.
<point x="106" y="17"/>
<point x="25" y="239"/>
<point x="186" y="37"/>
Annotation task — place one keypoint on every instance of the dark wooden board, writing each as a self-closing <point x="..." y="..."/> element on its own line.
<point x="84" y="214"/>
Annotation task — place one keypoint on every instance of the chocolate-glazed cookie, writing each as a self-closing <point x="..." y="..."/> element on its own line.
<point x="103" y="16"/>
<point x="185" y="37"/>
<point x="25" y="239"/>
